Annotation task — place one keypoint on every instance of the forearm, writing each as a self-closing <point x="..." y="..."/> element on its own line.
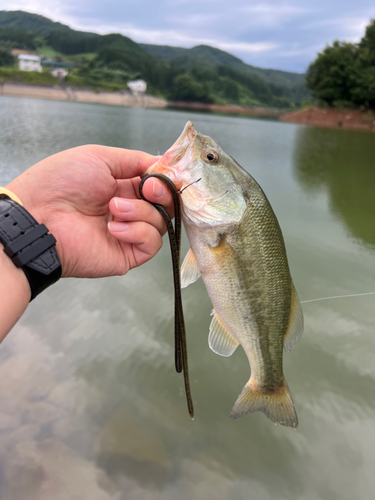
<point x="14" y="292"/>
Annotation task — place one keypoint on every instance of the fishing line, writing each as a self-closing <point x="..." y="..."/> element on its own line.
<point x="174" y="233"/>
<point x="194" y="182"/>
<point x="337" y="297"/>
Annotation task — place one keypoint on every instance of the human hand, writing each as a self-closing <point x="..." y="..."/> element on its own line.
<point x="88" y="198"/>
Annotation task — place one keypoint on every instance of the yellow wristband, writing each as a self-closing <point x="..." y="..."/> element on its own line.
<point x="10" y="195"/>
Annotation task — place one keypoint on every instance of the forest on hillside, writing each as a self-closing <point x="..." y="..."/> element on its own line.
<point x="202" y="74"/>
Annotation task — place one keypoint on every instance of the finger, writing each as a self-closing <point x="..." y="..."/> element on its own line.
<point x="145" y="239"/>
<point x="156" y="191"/>
<point x="137" y="210"/>
<point x="152" y="187"/>
<point x="128" y="188"/>
<point x="123" y="163"/>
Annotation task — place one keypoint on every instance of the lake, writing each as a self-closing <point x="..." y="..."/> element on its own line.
<point x="90" y="404"/>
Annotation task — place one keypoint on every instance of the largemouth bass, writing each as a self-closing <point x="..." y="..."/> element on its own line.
<point x="236" y="245"/>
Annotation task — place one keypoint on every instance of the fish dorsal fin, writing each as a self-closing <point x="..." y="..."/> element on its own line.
<point x="295" y="327"/>
<point x="219" y="339"/>
<point x="189" y="269"/>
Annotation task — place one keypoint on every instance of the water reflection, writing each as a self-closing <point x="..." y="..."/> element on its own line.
<point x="341" y="162"/>
<point x="90" y="405"/>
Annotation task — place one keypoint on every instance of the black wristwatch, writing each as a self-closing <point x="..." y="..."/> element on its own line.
<point x="29" y="245"/>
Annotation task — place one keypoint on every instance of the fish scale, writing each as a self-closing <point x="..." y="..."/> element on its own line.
<point x="259" y="287"/>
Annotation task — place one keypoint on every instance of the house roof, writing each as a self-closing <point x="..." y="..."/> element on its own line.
<point x="28" y="57"/>
<point x="16" y="52"/>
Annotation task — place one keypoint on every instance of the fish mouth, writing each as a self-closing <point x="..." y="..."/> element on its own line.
<point x="187" y="135"/>
<point x="166" y="164"/>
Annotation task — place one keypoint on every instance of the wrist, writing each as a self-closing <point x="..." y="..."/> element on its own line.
<point x="28" y="199"/>
<point x="28" y="244"/>
<point x="37" y="207"/>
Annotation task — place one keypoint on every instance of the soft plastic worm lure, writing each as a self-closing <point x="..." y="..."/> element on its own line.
<point x="174" y="233"/>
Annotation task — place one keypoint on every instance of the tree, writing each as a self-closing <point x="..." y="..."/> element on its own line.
<point x="367" y="43"/>
<point x="333" y="76"/>
<point x="185" y="88"/>
<point x="6" y="59"/>
<point x="344" y="73"/>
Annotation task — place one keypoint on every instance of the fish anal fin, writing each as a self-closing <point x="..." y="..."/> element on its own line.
<point x="220" y="340"/>
<point x="276" y="405"/>
<point x="189" y="269"/>
<point x="295" y="327"/>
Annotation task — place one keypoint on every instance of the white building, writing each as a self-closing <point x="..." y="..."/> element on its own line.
<point x="28" y="62"/>
<point x="137" y="86"/>
<point x="59" y="73"/>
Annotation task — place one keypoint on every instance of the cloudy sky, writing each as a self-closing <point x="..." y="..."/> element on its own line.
<point x="272" y="34"/>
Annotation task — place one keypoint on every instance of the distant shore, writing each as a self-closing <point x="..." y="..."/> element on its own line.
<point x="321" y="117"/>
<point x="254" y="111"/>
<point x="123" y="98"/>
<point x="77" y="94"/>
<point x="350" y="119"/>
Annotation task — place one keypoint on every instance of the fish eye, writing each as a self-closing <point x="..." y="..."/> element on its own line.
<point x="211" y="156"/>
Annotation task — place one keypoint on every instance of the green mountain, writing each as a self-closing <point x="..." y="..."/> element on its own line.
<point x="202" y="74"/>
<point x="282" y="83"/>
<point x="33" y="23"/>
<point x="216" y="57"/>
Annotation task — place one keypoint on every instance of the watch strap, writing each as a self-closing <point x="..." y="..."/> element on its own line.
<point x="11" y="195"/>
<point x="29" y="245"/>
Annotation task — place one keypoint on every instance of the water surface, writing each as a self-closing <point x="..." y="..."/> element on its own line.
<point x="90" y="405"/>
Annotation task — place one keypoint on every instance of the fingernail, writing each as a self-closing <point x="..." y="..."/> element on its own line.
<point x="117" y="227"/>
<point x="124" y="205"/>
<point x="158" y="190"/>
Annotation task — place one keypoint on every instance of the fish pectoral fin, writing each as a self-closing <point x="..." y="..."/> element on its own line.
<point x="219" y="339"/>
<point x="189" y="269"/>
<point x="295" y="327"/>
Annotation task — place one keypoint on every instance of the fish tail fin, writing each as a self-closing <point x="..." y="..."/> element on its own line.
<point x="276" y="405"/>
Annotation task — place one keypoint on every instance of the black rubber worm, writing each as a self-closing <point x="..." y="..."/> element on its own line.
<point x="174" y="233"/>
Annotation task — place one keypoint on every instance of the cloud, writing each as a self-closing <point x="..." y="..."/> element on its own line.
<point x="283" y="35"/>
<point x="177" y="38"/>
<point x="293" y="52"/>
<point x="347" y="28"/>
<point x="249" y="48"/>
<point x="270" y="15"/>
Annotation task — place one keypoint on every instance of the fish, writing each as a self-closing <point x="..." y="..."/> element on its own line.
<point x="237" y="247"/>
